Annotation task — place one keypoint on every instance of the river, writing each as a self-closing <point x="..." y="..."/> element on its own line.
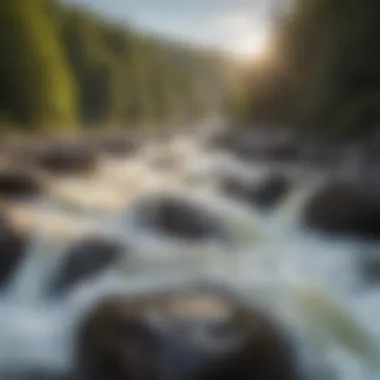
<point x="311" y="283"/>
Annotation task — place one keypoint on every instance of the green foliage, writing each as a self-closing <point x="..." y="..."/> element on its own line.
<point x="60" y="63"/>
<point x="35" y="84"/>
<point x="327" y="75"/>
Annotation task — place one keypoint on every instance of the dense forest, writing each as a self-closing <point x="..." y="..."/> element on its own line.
<point x="324" y="75"/>
<point x="64" y="67"/>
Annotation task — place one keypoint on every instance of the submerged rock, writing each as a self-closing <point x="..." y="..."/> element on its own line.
<point x="226" y="139"/>
<point x="235" y="187"/>
<point x="118" y="146"/>
<point x="113" y="345"/>
<point x="341" y="208"/>
<point x="267" y="193"/>
<point x="250" y="144"/>
<point x="322" y="153"/>
<point x="65" y="158"/>
<point x="84" y="260"/>
<point x="370" y="268"/>
<point x="181" y="335"/>
<point x="178" y="218"/>
<point x="271" y="190"/>
<point x="16" y="183"/>
<point x="12" y="251"/>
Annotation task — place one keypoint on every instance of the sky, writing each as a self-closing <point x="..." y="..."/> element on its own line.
<point x="236" y="25"/>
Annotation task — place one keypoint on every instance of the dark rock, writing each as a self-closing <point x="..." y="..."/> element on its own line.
<point x="269" y="151"/>
<point x="118" y="146"/>
<point x="16" y="183"/>
<point x="265" y="354"/>
<point x="369" y="267"/>
<point x="12" y="251"/>
<point x="114" y="344"/>
<point x="84" y="260"/>
<point x="267" y="193"/>
<point x="194" y="336"/>
<point x="322" y="153"/>
<point x="66" y="158"/>
<point x="271" y="191"/>
<point x="247" y="144"/>
<point x="235" y="187"/>
<point x="344" y="209"/>
<point x="225" y="139"/>
<point x="178" y="218"/>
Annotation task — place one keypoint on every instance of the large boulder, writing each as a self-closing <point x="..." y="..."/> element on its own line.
<point x="16" y="183"/>
<point x="178" y="218"/>
<point x="115" y="345"/>
<point x="344" y="209"/>
<point x="182" y="335"/>
<point x="67" y="158"/>
<point x="12" y="251"/>
<point x="263" y="194"/>
<point x="84" y="260"/>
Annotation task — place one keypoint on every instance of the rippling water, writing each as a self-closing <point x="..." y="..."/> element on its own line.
<point x="309" y="283"/>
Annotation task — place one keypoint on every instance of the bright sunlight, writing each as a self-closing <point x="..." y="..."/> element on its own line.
<point x="253" y="48"/>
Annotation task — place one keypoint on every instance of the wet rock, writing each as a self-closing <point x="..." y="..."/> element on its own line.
<point x="270" y="151"/>
<point x="258" y="145"/>
<point x="235" y="187"/>
<point x="270" y="191"/>
<point x="114" y="345"/>
<point x="182" y="336"/>
<point x="344" y="209"/>
<point x="322" y="153"/>
<point x="66" y="158"/>
<point x="225" y="139"/>
<point x="84" y="260"/>
<point x="16" y="183"/>
<point x="178" y="218"/>
<point x="12" y="251"/>
<point x="118" y="146"/>
<point x="369" y="267"/>
<point x="266" y="193"/>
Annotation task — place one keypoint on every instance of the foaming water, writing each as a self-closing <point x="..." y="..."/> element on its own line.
<point x="310" y="283"/>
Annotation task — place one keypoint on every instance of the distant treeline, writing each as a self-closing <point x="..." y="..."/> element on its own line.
<point x="63" y="67"/>
<point x="324" y="75"/>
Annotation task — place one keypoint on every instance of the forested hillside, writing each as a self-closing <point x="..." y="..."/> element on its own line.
<point x="63" y="67"/>
<point x="324" y="75"/>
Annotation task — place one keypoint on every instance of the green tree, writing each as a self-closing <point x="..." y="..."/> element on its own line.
<point x="35" y="83"/>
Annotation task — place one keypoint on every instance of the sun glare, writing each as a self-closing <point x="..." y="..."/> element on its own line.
<point x="252" y="48"/>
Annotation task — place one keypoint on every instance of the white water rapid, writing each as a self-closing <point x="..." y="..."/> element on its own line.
<point x="310" y="283"/>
